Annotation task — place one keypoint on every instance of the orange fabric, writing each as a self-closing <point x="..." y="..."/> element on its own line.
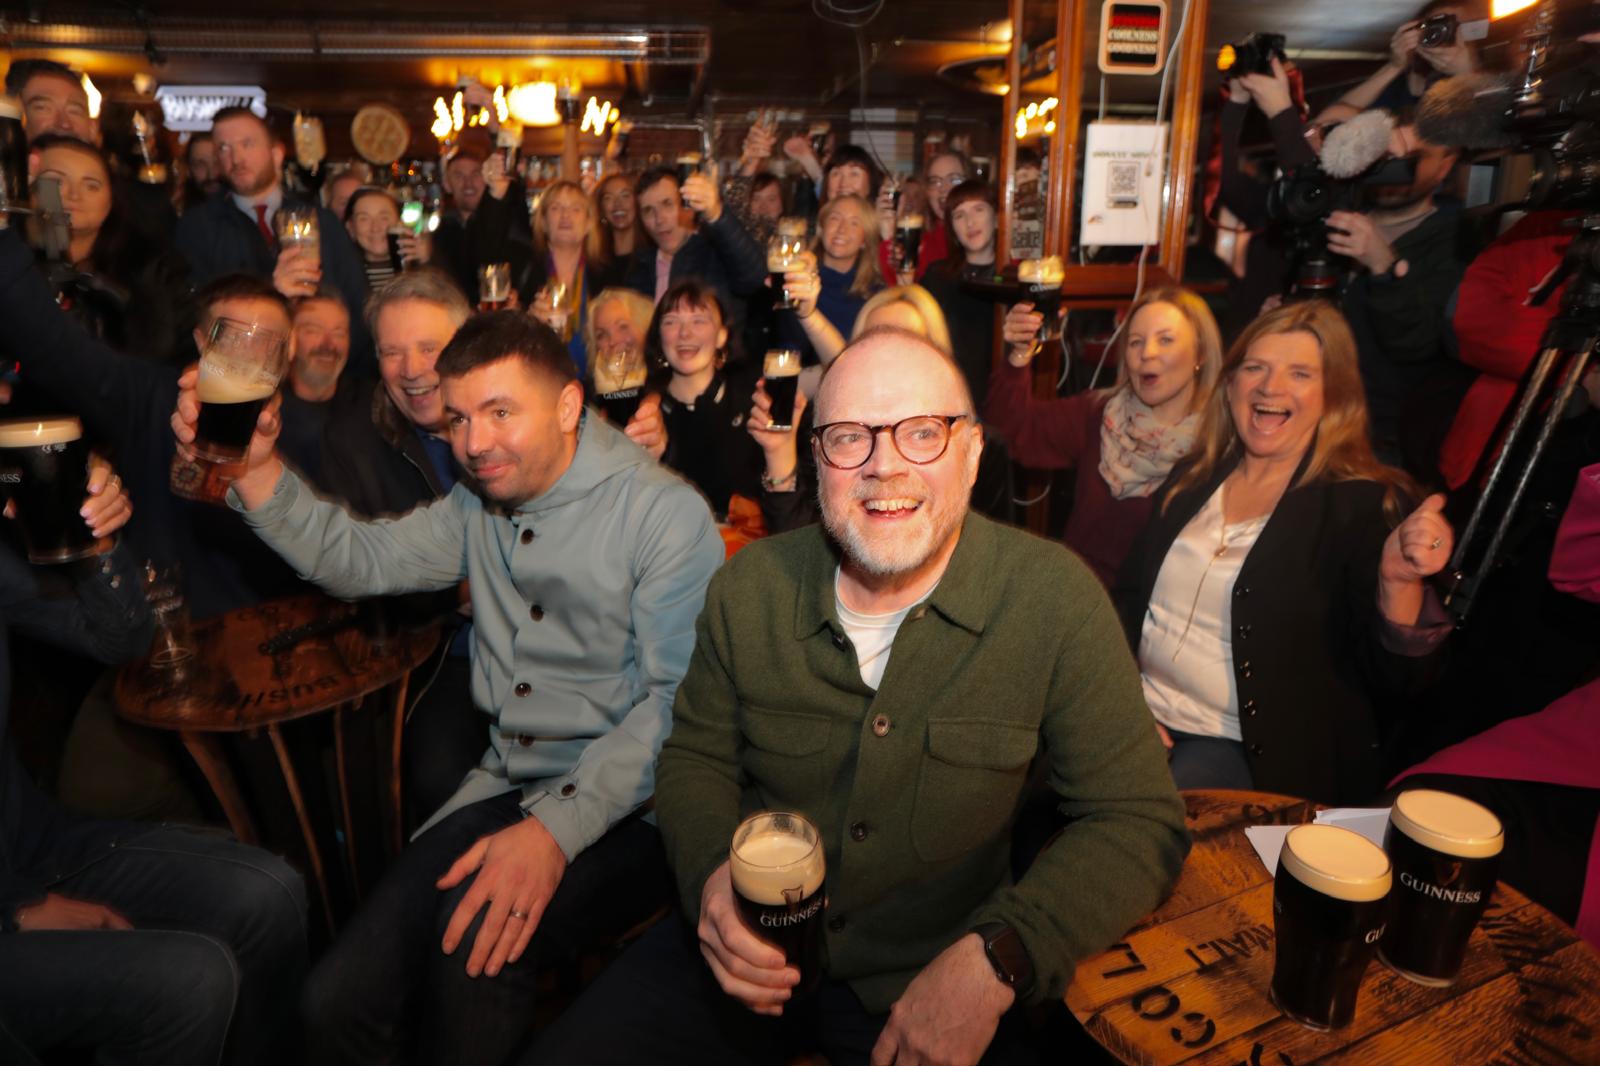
<point x="744" y="523"/>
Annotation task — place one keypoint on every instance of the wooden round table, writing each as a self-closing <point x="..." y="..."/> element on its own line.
<point x="1189" y="983"/>
<point x="258" y="667"/>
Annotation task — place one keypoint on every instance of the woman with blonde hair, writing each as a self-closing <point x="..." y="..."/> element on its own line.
<point x="1124" y="440"/>
<point x="620" y="319"/>
<point x="1277" y="594"/>
<point x="567" y="266"/>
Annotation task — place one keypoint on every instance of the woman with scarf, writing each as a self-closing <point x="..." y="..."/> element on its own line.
<point x="1123" y="440"/>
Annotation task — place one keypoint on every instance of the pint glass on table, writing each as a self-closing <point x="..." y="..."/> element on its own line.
<point x="1329" y="901"/>
<point x="619" y="377"/>
<point x="779" y="873"/>
<point x="1446" y="852"/>
<point x="781" y="369"/>
<point x="44" y="472"/>
<point x="239" y="371"/>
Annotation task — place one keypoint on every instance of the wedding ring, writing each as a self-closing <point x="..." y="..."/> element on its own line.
<point x="519" y="914"/>
<point x="1436" y="542"/>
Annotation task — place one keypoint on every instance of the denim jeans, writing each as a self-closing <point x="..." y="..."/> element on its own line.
<point x="216" y="955"/>
<point x="387" y="993"/>
<point x="1208" y="762"/>
<point x="659" y="1004"/>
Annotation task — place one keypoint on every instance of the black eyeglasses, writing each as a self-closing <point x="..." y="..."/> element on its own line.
<point x="919" y="439"/>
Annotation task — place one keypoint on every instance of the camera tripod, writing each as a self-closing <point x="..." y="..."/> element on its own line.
<point x="1566" y="350"/>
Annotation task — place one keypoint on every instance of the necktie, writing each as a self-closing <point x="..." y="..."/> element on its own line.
<point x="266" y="230"/>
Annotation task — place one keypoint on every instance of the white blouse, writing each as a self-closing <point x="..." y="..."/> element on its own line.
<point x="1186" y="648"/>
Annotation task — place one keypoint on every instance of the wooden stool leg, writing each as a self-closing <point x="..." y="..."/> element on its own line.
<point x="206" y="750"/>
<point x="292" y="781"/>
<point x="396" y="812"/>
<point x="344" y="795"/>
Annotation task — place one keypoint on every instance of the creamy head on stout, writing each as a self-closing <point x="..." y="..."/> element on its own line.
<point x="792" y="227"/>
<point x="912" y="221"/>
<point x="1046" y="271"/>
<point x="768" y="863"/>
<point x="1448" y="823"/>
<point x="1336" y="862"/>
<point x="781" y="363"/>
<point x="221" y="388"/>
<point x="36" y="434"/>
<point x="609" y="379"/>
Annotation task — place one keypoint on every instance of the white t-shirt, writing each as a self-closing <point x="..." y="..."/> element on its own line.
<point x="1186" y="647"/>
<point x="872" y="634"/>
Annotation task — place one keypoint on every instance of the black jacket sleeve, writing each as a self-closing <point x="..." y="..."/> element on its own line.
<point x="744" y="260"/>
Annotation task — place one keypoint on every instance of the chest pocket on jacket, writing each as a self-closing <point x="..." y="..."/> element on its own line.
<point x="784" y="756"/>
<point x="969" y="784"/>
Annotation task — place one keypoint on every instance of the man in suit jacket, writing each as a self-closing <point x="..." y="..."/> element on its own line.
<point x="233" y="233"/>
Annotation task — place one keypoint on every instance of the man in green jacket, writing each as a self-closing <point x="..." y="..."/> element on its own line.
<point x="891" y="677"/>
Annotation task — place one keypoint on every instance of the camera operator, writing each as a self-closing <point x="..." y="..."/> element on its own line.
<point x="1412" y="65"/>
<point x="1408" y="252"/>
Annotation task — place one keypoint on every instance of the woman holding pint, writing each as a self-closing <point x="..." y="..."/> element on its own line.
<point x="566" y="267"/>
<point x="619" y="387"/>
<point x="703" y="405"/>
<point x="372" y="217"/>
<point x="1278" y="589"/>
<point x="846" y="275"/>
<point x="1124" y="440"/>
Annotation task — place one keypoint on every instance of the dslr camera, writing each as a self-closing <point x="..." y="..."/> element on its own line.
<point x="1253" y="55"/>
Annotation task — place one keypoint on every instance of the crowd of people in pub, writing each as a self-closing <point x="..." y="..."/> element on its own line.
<point x="1261" y="497"/>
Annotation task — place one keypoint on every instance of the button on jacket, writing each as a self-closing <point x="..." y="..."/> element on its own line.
<point x="915" y="787"/>
<point x="618" y="567"/>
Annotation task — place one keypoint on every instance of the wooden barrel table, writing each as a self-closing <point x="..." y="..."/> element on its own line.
<point x="1189" y="983"/>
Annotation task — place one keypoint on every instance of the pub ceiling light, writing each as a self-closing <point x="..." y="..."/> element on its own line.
<point x="534" y="104"/>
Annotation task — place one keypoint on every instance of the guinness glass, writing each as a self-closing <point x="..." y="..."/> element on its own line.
<point x="778" y="872"/>
<point x="1041" y="286"/>
<point x="619" y="377"/>
<point x="909" y="233"/>
<point x="397" y="257"/>
<point x="297" y="227"/>
<point x="44" y="471"/>
<point x="688" y="163"/>
<point x="1445" y="851"/>
<point x="781" y="369"/>
<point x="239" y="371"/>
<point x="494" y="286"/>
<point x="1329" y="900"/>
<point x="787" y="245"/>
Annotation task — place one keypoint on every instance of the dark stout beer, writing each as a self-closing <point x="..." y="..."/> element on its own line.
<point x="619" y="378"/>
<point x="779" y="883"/>
<point x="397" y="258"/>
<point x="910" y="241"/>
<point x="781" y="369"/>
<point x="44" y="471"/>
<point x="1041" y="286"/>
<point x="688" y="163"/>
<point x="1445" y="851"/>
<point x="1329" y="900"/>
<point x="229" y="408"/>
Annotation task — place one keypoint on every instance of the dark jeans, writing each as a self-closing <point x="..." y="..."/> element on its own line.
<point x="386" y="993"/>
<point x="659" y="1004"/>
<point x="1207" y="762"/>
<point x="217" y="953"/>
<point x="446" y="736"/>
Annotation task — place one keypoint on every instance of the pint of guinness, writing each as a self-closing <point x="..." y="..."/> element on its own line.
<point x="909" y="234"/>
<point x="619" y="377"/>
<point x="44" y="471"/>
<point x="1329" y="901"/>
<point x="239" y="371"/>
<point x="784" y="250"/>
<point x="1445" y="851"/>
<point x="779" y="882"/>
<point x="494" y="286"/>
<point x="1041" y="286"/>
<point x="781" y="369"/>
<point x="687" y="163"/>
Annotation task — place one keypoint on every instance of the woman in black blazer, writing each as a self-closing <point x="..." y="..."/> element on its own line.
<point x="1277" y="594"/>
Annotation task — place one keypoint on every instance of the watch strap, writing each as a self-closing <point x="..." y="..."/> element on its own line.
<point x="1005" y="951"/>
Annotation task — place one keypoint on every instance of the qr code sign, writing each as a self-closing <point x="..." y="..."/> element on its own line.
<point x="1122" y="184"/>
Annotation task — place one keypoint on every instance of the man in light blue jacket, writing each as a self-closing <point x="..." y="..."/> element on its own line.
<point x="588" y="565"/>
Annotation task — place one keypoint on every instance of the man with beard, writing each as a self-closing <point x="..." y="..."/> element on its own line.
<point x="234" y="233"/>
<point x="317" y="390"/>
<point x="588" y="563"/>
<point x="205" y="171"/>
<point x="891" y="675"/>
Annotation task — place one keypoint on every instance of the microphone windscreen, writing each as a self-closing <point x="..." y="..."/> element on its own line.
<point x="1351" y="147"/>
<point x="1467" y="111"/>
